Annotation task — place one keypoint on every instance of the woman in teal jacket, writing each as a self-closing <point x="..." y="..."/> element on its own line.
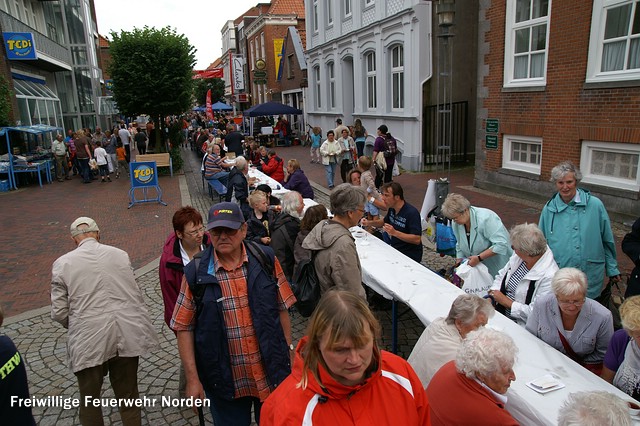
<point x="577" y="228"/>
<point x="480" y="234"/>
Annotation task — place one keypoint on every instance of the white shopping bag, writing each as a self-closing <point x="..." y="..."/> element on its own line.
<point x="477" y="279"/>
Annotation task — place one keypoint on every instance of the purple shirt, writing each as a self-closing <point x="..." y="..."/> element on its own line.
<point x="615" y="352"/>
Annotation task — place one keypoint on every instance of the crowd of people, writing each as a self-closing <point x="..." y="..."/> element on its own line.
<point x="225" y="284"/>
<point x="97" y="154"/>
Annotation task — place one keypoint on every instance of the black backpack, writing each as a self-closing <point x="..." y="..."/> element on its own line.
<point x="392" y="147"/>
<point x="306" y="286"/>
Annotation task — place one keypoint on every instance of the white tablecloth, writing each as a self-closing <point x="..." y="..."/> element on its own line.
<point x="394" y="275"/>
<point x="277" y="189"/>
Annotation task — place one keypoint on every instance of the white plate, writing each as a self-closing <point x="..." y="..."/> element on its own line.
<point x="545" y="384"/>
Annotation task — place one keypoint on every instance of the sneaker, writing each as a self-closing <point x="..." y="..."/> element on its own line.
<point x="117" y="176"/>
<point x="109" y="178"/>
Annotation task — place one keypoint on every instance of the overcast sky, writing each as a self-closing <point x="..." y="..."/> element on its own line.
<point x="199" y="20"/>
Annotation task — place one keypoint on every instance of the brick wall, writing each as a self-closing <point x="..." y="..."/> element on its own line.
<point x="566" y="111"/>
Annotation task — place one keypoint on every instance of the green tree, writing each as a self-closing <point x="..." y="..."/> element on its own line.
<point x="5" y="102"/>
<point x="151" y="71"/>
<point x="202" y="85"/>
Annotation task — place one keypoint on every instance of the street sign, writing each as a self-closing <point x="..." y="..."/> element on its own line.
<point x="492" y="125"/>
<point x="260" y="74"/>
<point x="491" y="141"/>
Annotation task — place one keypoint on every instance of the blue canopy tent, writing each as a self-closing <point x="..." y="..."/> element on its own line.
<point x="199" y="109"/>
<point x="270" y="108"/>
<point x="36" y="129"/>
<point x="221" y="106"/>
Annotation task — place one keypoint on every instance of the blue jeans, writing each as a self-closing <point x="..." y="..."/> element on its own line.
<point x="330" y="170"/>
<point x="222" y="176"/>
<point x="236" y="412"/>
<point x="360" y="147"/>
<point x="85" y="171"/>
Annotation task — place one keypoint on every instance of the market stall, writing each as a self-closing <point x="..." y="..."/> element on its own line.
<point x="28" y="151"/>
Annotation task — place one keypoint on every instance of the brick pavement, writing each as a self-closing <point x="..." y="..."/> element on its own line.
<point x="35" y="231"/>
<point x="43" y="343"/>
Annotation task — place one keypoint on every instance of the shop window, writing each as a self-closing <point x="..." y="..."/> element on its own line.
<point x="611" y="164"/>
<point x="522" y="153"/>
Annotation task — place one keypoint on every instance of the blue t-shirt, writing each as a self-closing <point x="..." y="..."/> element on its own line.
<point x="408" y="221"/>
<point x="315" y="140"/>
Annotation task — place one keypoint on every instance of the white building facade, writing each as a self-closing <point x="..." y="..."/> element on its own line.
<point x="369" y="59"/>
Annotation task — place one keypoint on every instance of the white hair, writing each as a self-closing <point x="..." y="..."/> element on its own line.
<point x="568" y="282"/>
<point x="291" y="202"/>
<point x="466" y="308"/>
<point x="596" y="408"/>
<point x="485" y="352"/>
<point x="241" y="163"/>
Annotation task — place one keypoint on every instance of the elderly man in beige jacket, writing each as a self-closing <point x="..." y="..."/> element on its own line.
<point x="94" y="294"/>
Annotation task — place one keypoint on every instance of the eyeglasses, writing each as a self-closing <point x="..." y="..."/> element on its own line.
<point x="196" y="232"/>
<point x="571" y="302"/>
<point x="216" y="232"/>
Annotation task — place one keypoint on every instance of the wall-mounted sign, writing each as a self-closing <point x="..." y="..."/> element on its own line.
<point x="491" y="141"/>
<point x="261" y="64"/>
<point x="238" y="74"/>
<point x="20" y="46"/>
<point x="492" y="125"/>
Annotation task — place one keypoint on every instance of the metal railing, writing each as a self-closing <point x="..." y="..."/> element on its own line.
<point x="43" y="43"/>
<point x="459" y="148"/>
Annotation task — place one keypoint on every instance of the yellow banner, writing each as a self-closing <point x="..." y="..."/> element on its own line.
<point x="277" y="52"/>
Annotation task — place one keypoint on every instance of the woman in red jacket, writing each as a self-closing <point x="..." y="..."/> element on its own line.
<point x="472" y="389"/>
<point x="274" y="167"/>
<point x="341" y="377"/>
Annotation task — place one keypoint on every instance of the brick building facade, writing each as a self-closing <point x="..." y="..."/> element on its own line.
<point x="563" y="82"/>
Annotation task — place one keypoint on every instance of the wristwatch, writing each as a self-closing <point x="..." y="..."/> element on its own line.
<point x="479" y="258"/>
<point x="291" y="347"/>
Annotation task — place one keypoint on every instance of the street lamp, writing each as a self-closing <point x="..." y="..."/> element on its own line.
<point x="445" y="9"/>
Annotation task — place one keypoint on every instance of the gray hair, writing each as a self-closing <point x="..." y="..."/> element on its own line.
<point x="241" y="163"/>
<point x="454" y="204"/>
<point x="346" y="198"/>
<point x="291" y="202"/>
<point x="595" y="408"/>
<point x="467" y="307"/>
<point x="485" y="352"/>
<point x="561" y="170"/>
<point x="527" y="237"/>
<point x="569" y="281"/>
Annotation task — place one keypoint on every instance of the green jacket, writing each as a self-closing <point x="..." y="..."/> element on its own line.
<point x="580" y="237"/>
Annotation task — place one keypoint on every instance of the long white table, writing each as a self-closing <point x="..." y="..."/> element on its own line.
<point x="395" y="276"/>
<point x="276" y="189"/>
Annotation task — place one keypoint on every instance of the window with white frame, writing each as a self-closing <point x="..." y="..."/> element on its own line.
<point x="315" y="16"/>
<point x="614" y="45"/>
<point x="611" y="164"/>
<point x="370" y="68"/>
<point x="397" y="77"/>
<point x="332" y="85"/>
<point x="526" y="42"/>
<point x="523" y="153"/>
<point x="347" y="8"/>
<point x="317" y="86"/>
<point x="329" y="11"/>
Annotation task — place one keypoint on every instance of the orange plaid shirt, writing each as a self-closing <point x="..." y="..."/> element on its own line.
<point x="248" y="371"/>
